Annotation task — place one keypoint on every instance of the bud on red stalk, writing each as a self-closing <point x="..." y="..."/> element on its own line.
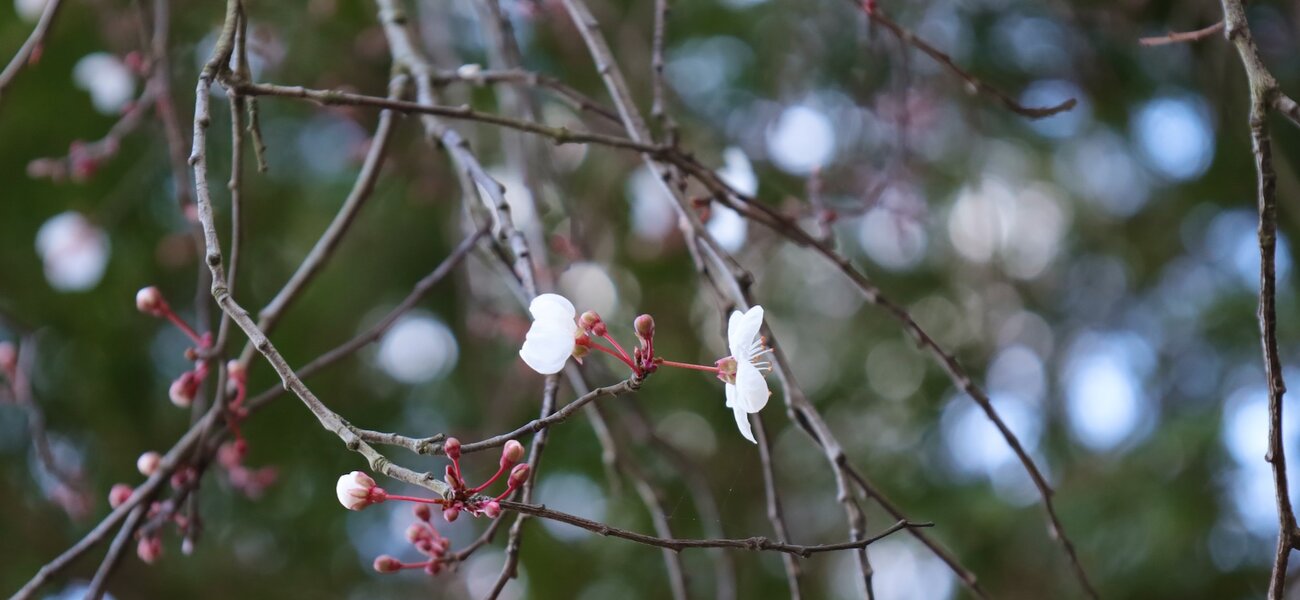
<point x="183" y="390"/>
<point x="387" y="564"/>
<point x="511" y="453"/>
<point x="451" y="513"/>
<point x="150" y="301"/>
<point x="492" y="509"/>
<point x="591" y="323"/>
<point x="645" y="329"/>
<point x="119" y="494"/>
<point x="417" y="532"/>
<point x="422" y="512"/>
<point x="518" y="475"/>
<point x="452" y="448"/>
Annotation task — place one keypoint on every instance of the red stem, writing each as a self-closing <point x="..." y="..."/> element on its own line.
<point x="501" y="469"/>
<point x="183" y="326"/>
<point x="414" y="499"/>
<point x="693" y="367"/>
<point x="623" y="359"/>
<point x="626" y="357"/>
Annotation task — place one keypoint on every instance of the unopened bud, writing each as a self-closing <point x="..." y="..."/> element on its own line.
<point x="452" y="448"/>
<point x="451" y="513"/>
<point x="645" y="329"/>
<point x="148" y="463"/>
<point x="235" y="370"/>
<point x="356" y="490"/>
<point x="183" y="390"/>
<point x="150" y="301"/>
<point x="492" y="509"/>
<point x="591" y="323"/>
<point x="8" y="357"/>
<point x="511" y="453"/>
<point x="417" y="532"/>
<point x="387" y="564"/>
<point x="518" y="475"/>
<point x="422" y="512"/>
<point x="149" y="549"/>
<point x="119" y="494"/>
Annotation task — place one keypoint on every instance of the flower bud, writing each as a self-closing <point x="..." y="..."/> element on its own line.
<point x="8" y="357"/>
<point x="452" y="448"/>
<point x="451" y="513"/>
<point x="422" y="512"/>
<point x="511" y="453"/>
<point x="183" y="390"/>
<point x="518" y="475"/>
<point x="235" y="370"/>
<point x="148" y="463"/>
<point x="149" y="549"/>
<point x="387" y="564"/>
<point x="645" y="329"/>
<point x="591" y="323"/>
<point x="492" y="509"/>
<point x="356" y="490"/>
<point x="119" y="494"/>
<point x="417" y="532"/>
<point x="150" y="301"/>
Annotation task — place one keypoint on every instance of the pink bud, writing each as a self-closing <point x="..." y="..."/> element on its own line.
<point x="148" y="463"/>
<point x="417" y="532"/>
<point x="119" y="494"/>
<point x="183" y="390"/>
<point x="492" y="509"/>
<point x="452" y="448"/>
<point x="387" y="564"/>
<point x="645" y="328"/>
<point x="451" y="513"/>
<point x="591" y="323"/>
<point x="8" y="357"/>
<point x="149" y="549"/>
<point x="511" y="453"/>
<point x="422" y="512"/>
<point x="356" y="490"/>
<point x="235" y="370"/>
<point x="518" y="475"/>
<point x="150" y="301"/>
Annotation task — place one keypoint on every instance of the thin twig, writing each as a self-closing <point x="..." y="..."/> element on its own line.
<point x="1178" y="37"/>
<point x="115" y="551"/>
<point x="31" y="47"/>
<point x="755" y="544"/>
<point x="1264" y="91"/>
<point x="774" y="513"/>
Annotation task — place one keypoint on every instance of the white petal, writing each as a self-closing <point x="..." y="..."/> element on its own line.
<point x="547" y="354"/>
<point x="552" y="329"/>
<point x="742" y="328"/>
<point x="751" y="388"/>
<point x="552" y="307"/>
<point x="742" y="423"/>
<point x="731" y="395"/>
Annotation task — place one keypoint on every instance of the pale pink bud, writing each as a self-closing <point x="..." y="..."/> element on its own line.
<point x="422" y="512"/>
<point x="183" y="390"/>
<point x="148" y="463"/>
<point x="451" y="513"/>
<point x="518" y="475"/>
<point x="150" y="301"/>
<point x="645" y="329"/>
<point x="119" y="494"/>
<point x="492" y="509"/>
<point x="235" y="370"/>
<point x="149" y="549"/>
<point x="8" y="357"/>
<point x="591" y="323"/>
<point x="511" y="453"/>
<point x="356" y="490"/>
<point x="387" y="564"/>
<point x="452" y="448"/>
<point x="417" y="532"/>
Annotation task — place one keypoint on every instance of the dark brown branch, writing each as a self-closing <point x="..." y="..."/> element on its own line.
<point x="571" y="96"/>
<point x="774" y="513"/>
<point x="1264" y="91"/>
<point x="115" y="551"/>
<point x="755" y="544"/>
<point x="973" y="83"/>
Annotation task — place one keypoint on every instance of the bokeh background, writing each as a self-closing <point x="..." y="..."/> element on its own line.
<point x="1095" y="270"/>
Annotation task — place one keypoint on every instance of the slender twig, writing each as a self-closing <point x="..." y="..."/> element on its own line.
<point x="32" y="46"/>
<point x="973" y="83"/>
<point x="574" y="98"/>
<point x="542" y="423"/>
<point x="20" y="387"/>
<point x="677" y="545"/>
<point x="774" y="513"/>
<point x="115" y="551"/>
<point x="1264" y="92"/>
<point x="1177" y="37"/>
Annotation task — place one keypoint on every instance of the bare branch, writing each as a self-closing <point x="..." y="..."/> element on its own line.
<point x="31" y="47"/>
<point x="1178" y="37"/>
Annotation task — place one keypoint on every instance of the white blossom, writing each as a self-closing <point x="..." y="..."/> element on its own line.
<point x="353" y="490"/>
<point x="550" y="341"/>
<point x="746" y="389"/>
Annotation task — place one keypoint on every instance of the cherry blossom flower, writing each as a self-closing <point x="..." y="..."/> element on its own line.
<point x="551" y="339"/>
<point x="746" y="389"/>
<point x="356" y="490"/>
